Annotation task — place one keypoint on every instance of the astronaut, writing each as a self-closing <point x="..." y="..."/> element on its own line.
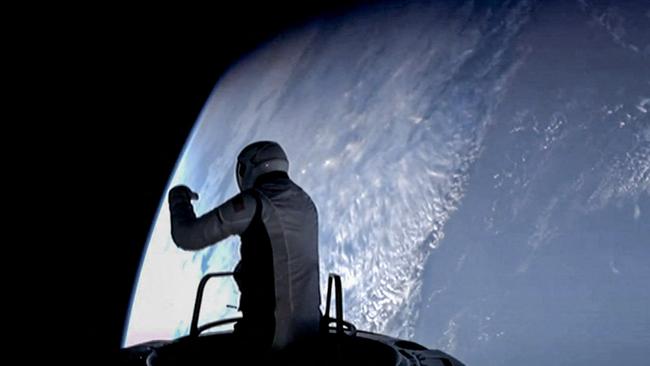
<point x="278" y="225"/>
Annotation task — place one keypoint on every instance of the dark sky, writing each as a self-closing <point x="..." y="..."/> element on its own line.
<point x="122" y="88"/>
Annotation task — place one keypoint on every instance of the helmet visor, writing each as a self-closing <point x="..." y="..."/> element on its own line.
<point x="240" y="171"/>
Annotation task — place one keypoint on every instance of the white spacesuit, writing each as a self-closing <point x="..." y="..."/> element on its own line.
<point x="278" y="224"/>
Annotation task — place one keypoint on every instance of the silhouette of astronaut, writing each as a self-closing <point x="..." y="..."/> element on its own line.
<point x="278" y="224"/>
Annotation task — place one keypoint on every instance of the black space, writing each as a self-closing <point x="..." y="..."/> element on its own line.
<point x="121" y="90"/>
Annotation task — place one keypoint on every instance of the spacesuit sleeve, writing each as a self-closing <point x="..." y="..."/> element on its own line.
<point x="192" y="233"/>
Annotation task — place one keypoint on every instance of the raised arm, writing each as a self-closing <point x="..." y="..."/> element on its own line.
<point x="192" y="233"/>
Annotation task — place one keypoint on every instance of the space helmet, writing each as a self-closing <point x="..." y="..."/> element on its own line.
<point x="259" y="158"/>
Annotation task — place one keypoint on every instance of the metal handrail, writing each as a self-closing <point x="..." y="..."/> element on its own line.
<point x="195" y="330"/>
<point x="340" y="323"/>
<point x="217" y="323"/>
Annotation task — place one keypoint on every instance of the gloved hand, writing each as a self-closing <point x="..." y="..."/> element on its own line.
<point x="181" y="193"/>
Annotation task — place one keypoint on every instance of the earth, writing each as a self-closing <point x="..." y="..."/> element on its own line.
<point x="481" y="171"/>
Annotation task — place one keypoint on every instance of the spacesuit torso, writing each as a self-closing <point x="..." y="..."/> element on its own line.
<point x="278" y="273"/>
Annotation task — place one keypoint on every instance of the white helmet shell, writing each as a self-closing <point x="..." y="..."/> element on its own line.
<point x="257" y="159"/>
